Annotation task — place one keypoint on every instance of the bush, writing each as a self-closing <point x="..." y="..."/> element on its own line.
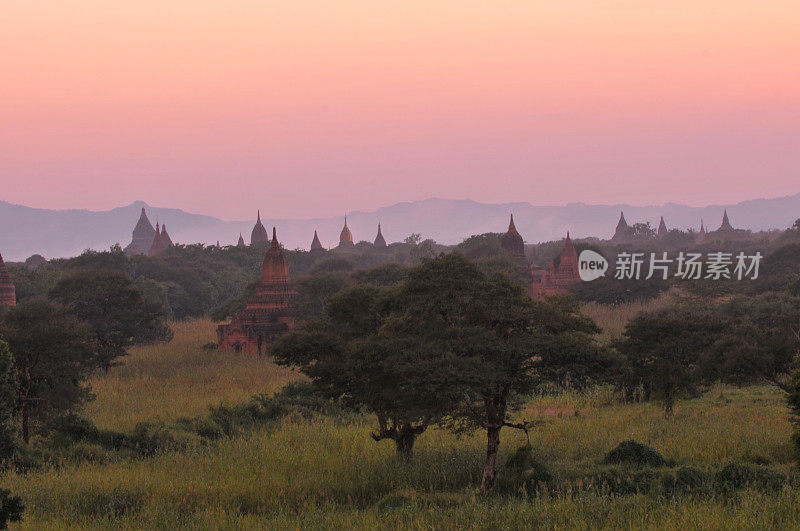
<point x="523" y="474"/>
<point x="737" y="477"/>
<point x="687" y="480"/>
<point x="11" y="508"/>
<point x="624" y="481"/>
<point x="636" y="454"/>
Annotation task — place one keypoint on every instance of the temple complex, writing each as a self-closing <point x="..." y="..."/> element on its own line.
<point x="259" y="238"/>
<point x="512" y="241"/>
<point x="267" y="313"/>
<point x="662" y="228"/>
<point x="315" y="244"/>
<point x="624" y="232"/>
<point x="346" y="237"/>
<point x="159" y="245"/>
<point x="143" y="234"/>
<point x="556" y="280"/>
<point x="379" y="240"/>
<point x="8" y="295"/>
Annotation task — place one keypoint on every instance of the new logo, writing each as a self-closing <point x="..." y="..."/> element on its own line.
<point x="591" y="265"/>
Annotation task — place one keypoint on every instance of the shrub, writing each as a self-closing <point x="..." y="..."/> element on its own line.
<point x="624" y="481"/>
<point x="735" y="477"/>
<point x="636" y="454"/>
<point x="523" y="474"/>
<point x="11" y="508"/>
<point x="687" y="480"/>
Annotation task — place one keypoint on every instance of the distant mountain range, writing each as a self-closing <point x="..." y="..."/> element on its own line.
<point x="63" y="233"/>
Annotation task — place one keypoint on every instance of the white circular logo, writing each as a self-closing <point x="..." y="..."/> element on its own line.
<point x="591" y="265"/>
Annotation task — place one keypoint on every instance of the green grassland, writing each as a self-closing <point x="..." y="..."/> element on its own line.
<point x="326" y="472"/>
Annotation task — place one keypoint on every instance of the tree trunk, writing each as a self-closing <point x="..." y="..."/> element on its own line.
<point x="669" y="402"/>
<point x="404" y="440"/>
<point x="26" y="428"/>
<point x="492" y="448"/>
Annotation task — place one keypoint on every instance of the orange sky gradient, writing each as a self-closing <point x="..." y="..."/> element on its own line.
<point x="308" y="109"/>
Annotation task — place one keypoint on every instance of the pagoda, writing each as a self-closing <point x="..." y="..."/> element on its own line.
<point x="379" y="240"/>
<point x="623" y="232"/>
<point x="315" y="244"/>
<point x="165" y="236"/>
<point x="159" y="245"/>
<point x="266" y="313"/>
<point x="662" y="228"/>
<point x="346" y="237"/>
<point x="143" y="234"/>
<point x="8" y="295"/>
<point x="259" y="238"/>
<point x="556" y="280"/>
<point x="726" y="224"/>
<point x="240" y="243"/>
<point x="512" y="241"/>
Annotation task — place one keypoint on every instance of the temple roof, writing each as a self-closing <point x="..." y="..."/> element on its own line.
<point x="259" y="235"/>
<point x="159" y="245"/>
<point x="143" y="226"/>
<point x="315" y="244"/>
<point x="7" y="292"/>
<point x="275" y="268"/>
<point x="240" y="243"/>
<point x="623" y="230"/>
<point x="512" y="241"/>
<point x="143" y="234"/>
<point x="702" y="227"/>
<point x="346" y="237"/>
<point x="379" y="240"/>
<point x="662" y="227"/>
<point x="726" y="224"/>
<point x="165" y="236"/>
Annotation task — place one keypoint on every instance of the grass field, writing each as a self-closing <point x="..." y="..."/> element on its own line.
<point x="328" y="473"/>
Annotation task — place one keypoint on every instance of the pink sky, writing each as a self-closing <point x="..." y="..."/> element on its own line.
<point x="308" y="109"/>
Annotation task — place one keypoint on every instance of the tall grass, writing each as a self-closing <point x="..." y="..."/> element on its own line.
<point x="328" y="473"/>
<point x="169" y="380"/>
<point x="613" y="318"/>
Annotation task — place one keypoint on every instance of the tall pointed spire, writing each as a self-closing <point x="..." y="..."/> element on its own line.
<point x="165" y="236"/>
<point x="726" y="224"/>
<point x="662" y="228"/>
<point x="346" y="237"/>
<point x="258" y="237"/>
<point x="702" y="227"/>
<point x="379" y="240"/>
<point x="159" y="245"/>
<point x="142" y="237"/>
<point x="315" y="243"/>
<point x="623" y="231"/>
<point x="512" y="241"/>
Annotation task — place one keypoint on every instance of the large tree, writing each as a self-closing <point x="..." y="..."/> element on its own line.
<point x="352" y="358"/>
<point x="664" y="350"/>
<point x="53" y="358"/>
<point x="118" y="314"/>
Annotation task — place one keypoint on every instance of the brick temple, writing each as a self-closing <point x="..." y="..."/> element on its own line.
<point x="267" y="312"/>
<point x="148" y="240"/>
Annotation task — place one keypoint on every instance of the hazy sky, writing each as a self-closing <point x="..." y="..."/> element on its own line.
<point x="313" y="108"/>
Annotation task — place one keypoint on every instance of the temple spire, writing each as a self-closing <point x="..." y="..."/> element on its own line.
<point x="512" y="241"/>
<point x="379" y="239"/>
<point x="346" y="237"/>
